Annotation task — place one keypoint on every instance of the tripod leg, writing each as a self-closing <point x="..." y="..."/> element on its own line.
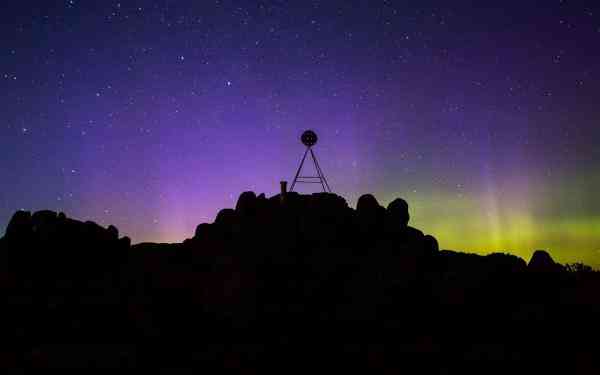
<point x="299" y="169"/>
<point x="320" y="173"/>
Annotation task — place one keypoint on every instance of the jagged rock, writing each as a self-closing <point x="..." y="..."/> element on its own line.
<point x="294" y="268"/>
<point x="19" y="226"/>
<point x="541" y="261"/>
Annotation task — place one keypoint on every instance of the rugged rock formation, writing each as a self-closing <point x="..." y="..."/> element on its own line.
<point x="48" y="228"/>
<point x="541" y="261"/>
<point x="300" y="280"/>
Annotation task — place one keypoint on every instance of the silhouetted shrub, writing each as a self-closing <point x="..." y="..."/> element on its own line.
<point x="578" y="268"/>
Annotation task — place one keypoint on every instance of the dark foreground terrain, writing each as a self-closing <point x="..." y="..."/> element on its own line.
<point x="298" y="284"/>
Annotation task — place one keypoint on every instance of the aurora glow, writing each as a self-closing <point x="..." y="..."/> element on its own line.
<point x="153" y="115"/>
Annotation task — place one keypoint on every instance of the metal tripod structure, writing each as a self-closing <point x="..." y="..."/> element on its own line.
<point x="319" y="179"/>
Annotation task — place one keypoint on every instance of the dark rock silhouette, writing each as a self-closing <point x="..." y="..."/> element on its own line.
<point x="370" y="216"/>
<point x="246" y="204"/>
<point x="274" y="283"/>
<point x="19" y="226"/>
<point x="430" y="245"/>
<point x="367" y="203"/>
<point x="202" y="230"/>
<point x="541" y="261"/>
<point x="397" y="212"/>
<point x="113" y="232"/>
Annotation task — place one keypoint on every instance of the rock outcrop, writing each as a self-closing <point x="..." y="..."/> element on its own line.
<point x="541" y="261"/>
<point x="302" y="278"/>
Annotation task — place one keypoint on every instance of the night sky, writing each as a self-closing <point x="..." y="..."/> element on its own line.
<point x="153" y="115"/>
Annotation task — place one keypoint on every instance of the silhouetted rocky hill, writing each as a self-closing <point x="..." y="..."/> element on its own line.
<point x="289" y="282"/>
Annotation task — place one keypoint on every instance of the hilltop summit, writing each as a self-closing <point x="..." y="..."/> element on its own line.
<point x="297" y="278"/>
<point x="314" y="221"/>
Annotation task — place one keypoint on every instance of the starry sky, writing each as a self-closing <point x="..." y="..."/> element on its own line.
<point x="153" y="115"/>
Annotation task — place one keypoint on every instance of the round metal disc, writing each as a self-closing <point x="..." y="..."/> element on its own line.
<point x="309" y="138"/>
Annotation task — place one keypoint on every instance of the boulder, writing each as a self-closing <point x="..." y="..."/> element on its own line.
<point x="541" y="261"/>
<point x="413" y="239"/>
<point x="113" y="232"/>
<point x="45" y="225"/>
<point x="19" y="226"/>
<point x="367" y="204"/>
<point x="397" y="212"/>
<point x="226" y="218"/>
<point x="125" y="242"/>
<point x="202" y="230"/>
<point x="369" y="212"/>
<point x="246" y="204"/>
<point x="95" y="231"/>
<point x="43" y="219"/>
<point x="430" y="244"/>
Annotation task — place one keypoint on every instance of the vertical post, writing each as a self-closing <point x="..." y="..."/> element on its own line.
<point x="283" y="194"/>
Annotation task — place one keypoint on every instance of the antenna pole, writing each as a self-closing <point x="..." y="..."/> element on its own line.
<point x="320" y="172"/>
